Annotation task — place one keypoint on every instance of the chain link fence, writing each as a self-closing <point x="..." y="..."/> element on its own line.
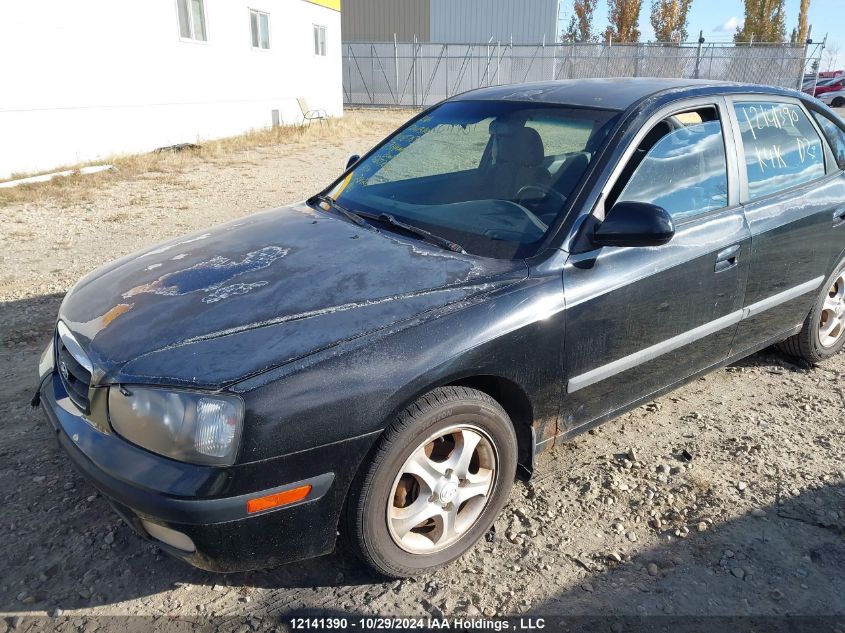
<point x="418" y="74"/>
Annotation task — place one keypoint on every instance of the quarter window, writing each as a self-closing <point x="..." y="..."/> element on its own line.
<point x="191" y="19"/>
<point x="259" y="25"/>
<point x="782" y="148"/>
<point x="835" y="136"/>
<point x="319" y="40"/>
<point x="680" y="165"/>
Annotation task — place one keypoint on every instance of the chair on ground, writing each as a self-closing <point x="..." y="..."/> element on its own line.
<point x="309" y="115"/>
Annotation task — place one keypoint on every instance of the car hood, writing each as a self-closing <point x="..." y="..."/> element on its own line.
<point x="219" y="305"/>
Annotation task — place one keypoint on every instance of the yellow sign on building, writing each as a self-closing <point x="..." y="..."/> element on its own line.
<point x="329" y="4"/>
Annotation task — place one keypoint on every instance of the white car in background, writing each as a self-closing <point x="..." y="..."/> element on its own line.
<point x="835" y="99"/>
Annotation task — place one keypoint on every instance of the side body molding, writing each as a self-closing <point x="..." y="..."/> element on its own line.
<point x="676" y="342"/>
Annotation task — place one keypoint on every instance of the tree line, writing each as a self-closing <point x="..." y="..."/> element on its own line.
<point x="765" y="21"/>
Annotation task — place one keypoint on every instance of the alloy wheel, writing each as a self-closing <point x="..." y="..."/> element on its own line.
<point x="832" y="320"/>
<point x="442" y="489"/>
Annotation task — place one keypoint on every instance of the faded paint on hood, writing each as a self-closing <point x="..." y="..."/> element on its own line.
<point x="249" y="295"/>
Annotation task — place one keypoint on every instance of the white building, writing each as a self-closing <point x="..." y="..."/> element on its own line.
<point x="82" y="80"/>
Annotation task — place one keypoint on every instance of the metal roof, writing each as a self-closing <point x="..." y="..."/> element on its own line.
<point x="614" y="94"/>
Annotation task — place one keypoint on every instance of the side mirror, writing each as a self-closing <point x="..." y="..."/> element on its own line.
<point x="352" y="160"/>
<point x="635" y="224"/>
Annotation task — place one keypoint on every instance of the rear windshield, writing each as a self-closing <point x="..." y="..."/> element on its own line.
<point x="491" y="176"/>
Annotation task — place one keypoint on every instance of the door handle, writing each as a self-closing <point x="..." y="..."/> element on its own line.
<point x="839" y="216"/>
<point x="727" y="258"/>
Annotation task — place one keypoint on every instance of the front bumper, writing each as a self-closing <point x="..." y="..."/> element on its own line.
<point x="208" y="504"/>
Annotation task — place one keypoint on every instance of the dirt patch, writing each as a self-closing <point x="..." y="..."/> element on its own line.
<point x="619" y="521"/>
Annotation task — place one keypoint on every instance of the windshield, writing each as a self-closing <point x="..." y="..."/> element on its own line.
<point x="491" y="176"/>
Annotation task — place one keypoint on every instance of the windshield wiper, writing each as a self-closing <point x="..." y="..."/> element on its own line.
<point x="349" y="215"/>
<point x="410" y="228"/>
<point x="358" y="218"/>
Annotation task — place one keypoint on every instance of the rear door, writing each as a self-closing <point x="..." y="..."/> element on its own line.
<point x="792" y="193"/>
<point x="639" y="319"/>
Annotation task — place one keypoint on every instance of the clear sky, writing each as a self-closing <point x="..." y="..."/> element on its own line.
<point x="719" y="19"/>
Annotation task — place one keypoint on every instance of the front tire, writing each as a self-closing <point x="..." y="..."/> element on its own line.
<point x="838" y="102"/>
<point x="440" y="475"/>
<point x="823" y="333"/>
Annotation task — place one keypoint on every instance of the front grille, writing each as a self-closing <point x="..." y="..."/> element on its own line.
<point x="73" y="368"/>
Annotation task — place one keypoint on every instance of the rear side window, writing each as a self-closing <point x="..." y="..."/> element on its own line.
<point x="835" y="136"/>
<point x="679" y="165"/>
<point x="782" y="148"/>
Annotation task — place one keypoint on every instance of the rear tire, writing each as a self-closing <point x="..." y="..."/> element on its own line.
<point x="823" y="332"/>
<point x="440" y="474"/>
<point x="838" y="102"/>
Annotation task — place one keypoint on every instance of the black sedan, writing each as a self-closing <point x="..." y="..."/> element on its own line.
<point x="512" y="267"/>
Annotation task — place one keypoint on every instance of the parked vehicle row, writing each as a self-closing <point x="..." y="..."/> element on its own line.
<point x="512" y="267"/>
<point x="824" y="86"/>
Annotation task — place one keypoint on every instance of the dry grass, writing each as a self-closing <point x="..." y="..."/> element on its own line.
<point x="78" y="187"/>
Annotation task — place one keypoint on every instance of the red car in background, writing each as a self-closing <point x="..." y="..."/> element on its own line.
<point x="830" y="86"/>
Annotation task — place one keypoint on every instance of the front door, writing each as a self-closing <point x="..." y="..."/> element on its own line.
<point x="642" y="318"/>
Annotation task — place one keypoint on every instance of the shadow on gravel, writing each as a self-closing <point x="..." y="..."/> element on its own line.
<point x="778" y="569"/>
<point x="774" y="362"/>
<point x="783" y="559"/>
<point x="65" y="547"/>
<point x="28" y="322"/>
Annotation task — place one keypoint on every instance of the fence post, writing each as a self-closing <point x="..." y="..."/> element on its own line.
<point x="698" y="55"/>
<point x="414" y="73"/>
<point x="349" y="70"/>
<point x="803" y="68"/>
<point x="446" y="69"/>
<point x="373" y="72"/>
<point x="396" y="66"/>
<point x="510" y="81"/>
<point x="820" y="53"/>
<point x="498" y="61"/>
<point x="637" y="60"/>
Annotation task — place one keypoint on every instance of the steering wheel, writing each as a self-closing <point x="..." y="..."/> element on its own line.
<point x="528" y="193"/>
<point x="544" y="190"/>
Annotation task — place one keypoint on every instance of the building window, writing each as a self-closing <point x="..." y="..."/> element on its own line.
<point x="259" y="25"/>
<point x="319" y="40"/>
<point x="192" y="19"/>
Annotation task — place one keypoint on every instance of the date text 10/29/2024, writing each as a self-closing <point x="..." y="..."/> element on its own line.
<point x="367" y="623"/>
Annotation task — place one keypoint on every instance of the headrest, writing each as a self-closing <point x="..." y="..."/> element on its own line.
<point x="521" y="145"/>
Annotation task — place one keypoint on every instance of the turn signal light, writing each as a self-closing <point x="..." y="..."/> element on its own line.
<point x="278" y="499"/>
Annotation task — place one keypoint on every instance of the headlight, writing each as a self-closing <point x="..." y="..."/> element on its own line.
<point x="192" y="427"/>
<point x="45" y="365"/>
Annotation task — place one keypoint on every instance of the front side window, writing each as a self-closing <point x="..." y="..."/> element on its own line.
<point x="259" y="26"/>
<point x="319" y="40"/>
<point x="191" y="19"/>
<point x="782" y="148"/>
<point x="835" y="135"/>
<point x="492" y="176"/>
<point x="679" y="165"/>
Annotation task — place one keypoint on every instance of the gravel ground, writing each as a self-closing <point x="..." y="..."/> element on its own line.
<point x="619" y="521"/>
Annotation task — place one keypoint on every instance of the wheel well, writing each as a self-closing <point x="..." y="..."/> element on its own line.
<point x="517" y="406"/>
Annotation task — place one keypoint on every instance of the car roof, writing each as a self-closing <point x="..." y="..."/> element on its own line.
<point x="614" y="93"/>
